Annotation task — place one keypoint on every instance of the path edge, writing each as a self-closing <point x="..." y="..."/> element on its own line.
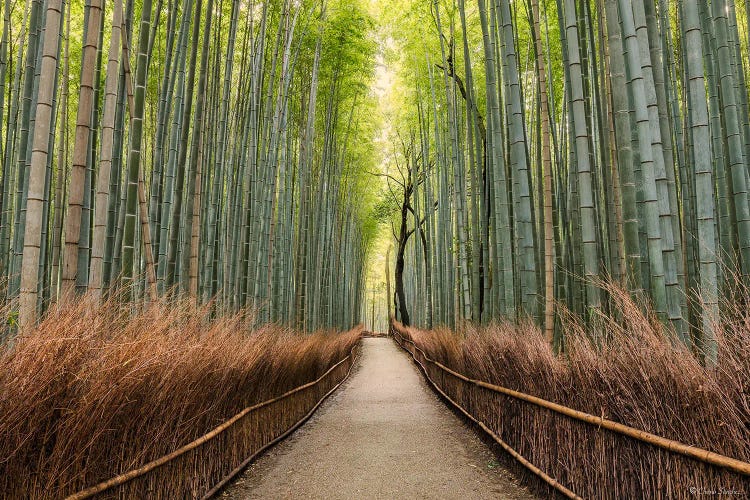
<point x="220" y="486"/>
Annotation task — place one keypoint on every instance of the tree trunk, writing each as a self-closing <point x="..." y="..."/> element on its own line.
<point x="81" y="149"/>
<point x="37" y="177"/>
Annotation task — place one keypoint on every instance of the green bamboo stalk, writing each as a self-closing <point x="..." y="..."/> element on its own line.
<point x="29" y="299"/>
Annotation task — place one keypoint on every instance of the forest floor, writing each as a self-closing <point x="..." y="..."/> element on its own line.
<point x="384" y="434"/>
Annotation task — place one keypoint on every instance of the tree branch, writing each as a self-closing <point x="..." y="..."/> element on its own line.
<point x="462" y="89"/>
<point x="377" y="174"/>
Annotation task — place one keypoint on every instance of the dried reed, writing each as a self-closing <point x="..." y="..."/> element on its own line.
<point x="93" y="392"/>
<point x="627" y="369"/>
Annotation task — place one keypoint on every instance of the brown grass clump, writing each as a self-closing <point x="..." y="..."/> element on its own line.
<point x="93" y="392"/>
<point x="627" y="370"/>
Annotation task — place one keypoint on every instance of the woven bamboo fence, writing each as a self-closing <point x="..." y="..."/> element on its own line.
<point x="581" y="455"/>
<point x="207" y="464"/>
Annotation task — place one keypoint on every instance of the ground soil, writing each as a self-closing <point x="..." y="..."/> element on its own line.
<point x="383" y="435"/>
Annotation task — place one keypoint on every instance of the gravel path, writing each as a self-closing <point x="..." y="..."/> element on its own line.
<point x="383" y="435"/>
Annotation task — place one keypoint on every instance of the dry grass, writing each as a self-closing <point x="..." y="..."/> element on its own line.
<point x="637" y="376"/>
<point x="97" y="391"/>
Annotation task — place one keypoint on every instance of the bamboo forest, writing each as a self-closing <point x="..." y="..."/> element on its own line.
<point x="215" y="214"/>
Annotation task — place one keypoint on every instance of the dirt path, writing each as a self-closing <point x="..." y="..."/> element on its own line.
<point x="384" y="434"/>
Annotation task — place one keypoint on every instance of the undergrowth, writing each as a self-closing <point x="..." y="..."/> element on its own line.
<point x="95" y="391"/>
<point x="628" y="368"/>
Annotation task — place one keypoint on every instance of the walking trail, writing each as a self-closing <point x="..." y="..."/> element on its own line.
<point x="383" y="434"/>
